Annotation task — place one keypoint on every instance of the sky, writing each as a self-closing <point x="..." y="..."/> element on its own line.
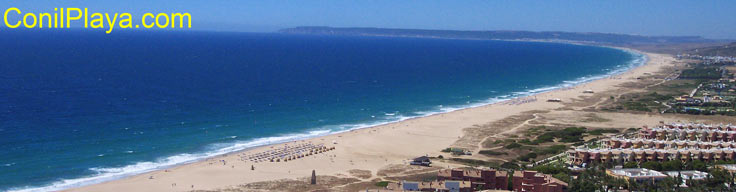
<point x="710" y="19"/>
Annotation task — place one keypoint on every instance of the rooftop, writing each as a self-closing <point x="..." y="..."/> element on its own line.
<point x="730" y="167"/>
<point x="687" y="175"/>
<point x="415" y="186"/>
<point x="636" y="172"/>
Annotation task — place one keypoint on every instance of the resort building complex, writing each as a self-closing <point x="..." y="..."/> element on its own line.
<point x="537" y="182"/>
<point x="642" y="175"/>
<point x="462" y="180"/>
<point x="485" y="178"/>
<point x="637" y="174"/>
<point x="684" y="142"/>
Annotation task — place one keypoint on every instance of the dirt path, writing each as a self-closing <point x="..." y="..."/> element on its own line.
<point x="480" y="145"/>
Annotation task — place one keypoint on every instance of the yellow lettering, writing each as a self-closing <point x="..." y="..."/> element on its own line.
<point x="181" y="20"/>
<point x="85" y="18"/>
<point x="6" y="17"/>
<point x="111" y="23"/>
<point x="61" y="18"/>
<point x="40" y="19"/>
<point x="128" y="20"/>
<point x="56" y="19"/>
<point x="25" y="21"/>
<point x="97" y="22"/>
<point x="146" y="25"/>
<point x="69" y="17"/>
<point x="165" y="24"/>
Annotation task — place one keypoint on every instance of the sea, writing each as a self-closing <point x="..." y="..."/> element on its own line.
<point x="84" y="107"/>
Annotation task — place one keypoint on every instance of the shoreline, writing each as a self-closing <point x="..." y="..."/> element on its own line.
<point x="409" y="120"/>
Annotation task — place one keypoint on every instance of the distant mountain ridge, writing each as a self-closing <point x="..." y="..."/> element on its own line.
<point x="596" y="38"/>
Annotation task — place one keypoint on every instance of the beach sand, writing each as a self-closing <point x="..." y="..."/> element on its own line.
<point x="366" y="149"/>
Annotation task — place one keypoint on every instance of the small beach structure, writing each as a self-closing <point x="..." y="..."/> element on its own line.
<point x="423" y="161"/>
<point x="313" y="181"/>
<point x="554" y="100"/>
<point x="286" y="152"/>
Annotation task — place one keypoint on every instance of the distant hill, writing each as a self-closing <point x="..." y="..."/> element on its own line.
<point x="721" y="50"/>
<point x="595" y="38"/>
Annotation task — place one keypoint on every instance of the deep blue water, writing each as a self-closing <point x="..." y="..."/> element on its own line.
<point x="83" y="107"/>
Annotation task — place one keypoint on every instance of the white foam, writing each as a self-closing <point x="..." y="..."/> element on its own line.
<point x="107" y="174"/>
<point x="111" y="173"/>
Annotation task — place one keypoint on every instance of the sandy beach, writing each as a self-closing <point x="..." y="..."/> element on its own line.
<point x="372" y="148"/>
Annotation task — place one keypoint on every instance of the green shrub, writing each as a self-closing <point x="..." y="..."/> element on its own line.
<point x="601" y="131"/>
<point x="554" y="149"/>
<point x="382" y="183"/>
<point x="673" y="165"/>
<point x="510" y="165"/>
<point x="475" y="162"/>
<point x="551" y="169"/>
<point x="567" y="135"/>
<point x="491" y="152"/>
<point x="526" y="141"/>
<point x="701" y="73"/>
<point x="652" y="165"/>
<point x="512" y="146"/>
<point x="528" y="156"/>
<point x="631" y="164"/>
<point x="562" y="177"/>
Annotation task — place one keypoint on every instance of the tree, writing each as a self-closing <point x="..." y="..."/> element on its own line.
<point x="698" y="165"/>
<point x="510" y="181"/>
<point x="562" y="176"/>
<point x="668" y="184"/>
<point x="653" y="165"/>
<point x="673" y="165"/>
<point x="581" y="185"/>
<point x="718" y="180"/>
<point x="631" y="164"/>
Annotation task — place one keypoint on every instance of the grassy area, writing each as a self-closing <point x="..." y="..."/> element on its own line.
<point x="512" y="146"/>
<point x="454" y="151"/>
<point x="382" y="183"/>
<point x="537" y="142"/>
<point x="602" y="131"/>
<point x="541" y="142"/>
<point x="492" y="153"/>
<point x="534" y="131"/>
<point x="595" y="118"/>
<point x="554" y="149"/>
<point x="701" y="73"/>
<point x="527" y="157"/>
<point x="644" y="101"/>
<point x="475" y="162"/>
<point x="557" y="170"/>
<point x="567" y="135"/>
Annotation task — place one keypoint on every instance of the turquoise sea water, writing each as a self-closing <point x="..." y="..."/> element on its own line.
<point x="83" y="107"/>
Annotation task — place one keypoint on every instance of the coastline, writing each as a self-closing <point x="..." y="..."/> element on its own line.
<point x="420" y="135"/>
<point x="181" y="159"/>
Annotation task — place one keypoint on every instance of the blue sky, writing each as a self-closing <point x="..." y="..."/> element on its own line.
<point x="712" y="19"/>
